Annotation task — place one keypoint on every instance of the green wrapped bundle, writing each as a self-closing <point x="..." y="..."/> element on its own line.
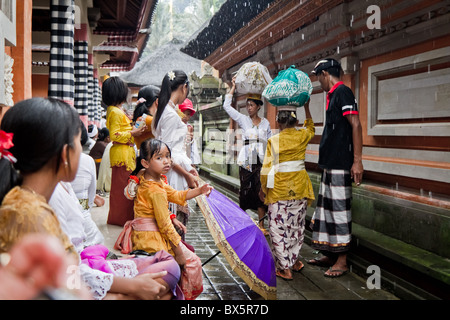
<point x="291" y="87"/>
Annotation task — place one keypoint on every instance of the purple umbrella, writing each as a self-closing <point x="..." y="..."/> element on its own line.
<point x="241" y="242"/>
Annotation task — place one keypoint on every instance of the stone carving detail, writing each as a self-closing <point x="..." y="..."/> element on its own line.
<point x="8" y="79"/>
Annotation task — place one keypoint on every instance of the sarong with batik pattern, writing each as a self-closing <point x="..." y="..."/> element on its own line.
<point x="332" y="219"/>
<point x="287" y="229"/>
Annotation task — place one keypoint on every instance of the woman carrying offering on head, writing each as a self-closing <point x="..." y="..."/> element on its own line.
<point x="256" y="131"/>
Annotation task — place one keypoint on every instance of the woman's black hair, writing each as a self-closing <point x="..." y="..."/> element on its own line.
<point x="84" y="134"/>
<point x="150" y="93"/>
<point x="167" y="87"/>
<point x="114" y="91"/>
<point x="148" y="148"/>
<point x="256" y="101"/>
<point x="41" y="128"/>
<point x="103" y="134"/>
<point x="285" y="117"/>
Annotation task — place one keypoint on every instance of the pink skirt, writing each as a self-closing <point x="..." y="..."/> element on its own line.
<point x="162" y="261"/>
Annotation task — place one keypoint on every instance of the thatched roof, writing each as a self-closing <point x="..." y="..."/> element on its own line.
<point x="152" y="68"/>
<point x="232" y="16"/>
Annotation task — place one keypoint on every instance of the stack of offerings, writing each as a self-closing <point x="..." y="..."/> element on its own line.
<point x="252" y="78"/>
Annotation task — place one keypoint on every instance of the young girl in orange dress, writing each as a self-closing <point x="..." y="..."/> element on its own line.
<point x="152" y="229"/>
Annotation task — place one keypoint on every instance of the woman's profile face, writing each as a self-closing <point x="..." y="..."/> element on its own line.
<point x="252" y="107"/>
<point x="74" y="157"/>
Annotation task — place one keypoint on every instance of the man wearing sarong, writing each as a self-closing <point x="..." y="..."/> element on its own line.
<point x="340" y="157"/>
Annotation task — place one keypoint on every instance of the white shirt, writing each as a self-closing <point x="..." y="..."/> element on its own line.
<point x="83" y="232"/>
<point x="173" y="131"/>
<point x="69" y="213"/>
<point x="258" y="134"/>
<point x="85" y="182"/>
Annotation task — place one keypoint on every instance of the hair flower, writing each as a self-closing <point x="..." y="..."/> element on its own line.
<point x="171" y="75"/>
<point x="5" y="144"/>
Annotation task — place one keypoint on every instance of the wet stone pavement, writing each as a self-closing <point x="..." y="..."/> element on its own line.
<point x="220" y="282"/>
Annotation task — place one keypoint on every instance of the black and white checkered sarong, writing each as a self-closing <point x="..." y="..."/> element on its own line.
<point x="331" y="222"/>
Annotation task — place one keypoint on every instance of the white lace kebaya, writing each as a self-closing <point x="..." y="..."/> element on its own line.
<point x="68" y="212"/>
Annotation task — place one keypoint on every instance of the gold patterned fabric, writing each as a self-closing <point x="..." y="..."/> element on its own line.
<point x="24" y="212"/>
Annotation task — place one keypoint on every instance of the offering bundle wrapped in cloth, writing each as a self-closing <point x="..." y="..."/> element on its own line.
<point x="252" y="78"/>
<point x="291" y="87"/>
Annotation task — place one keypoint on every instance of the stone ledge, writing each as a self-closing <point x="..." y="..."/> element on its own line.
<point x="415" y="258"/>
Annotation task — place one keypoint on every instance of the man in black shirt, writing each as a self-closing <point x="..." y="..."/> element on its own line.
<point x="340" y="157"/>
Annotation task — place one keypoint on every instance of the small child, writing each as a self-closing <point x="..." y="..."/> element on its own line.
<point x="188" y="111"/>
<point x="287" y="189"/>
<point x="152" y="228"/>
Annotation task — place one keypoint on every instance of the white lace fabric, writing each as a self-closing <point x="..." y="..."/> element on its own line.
<point x="100" y="282"/>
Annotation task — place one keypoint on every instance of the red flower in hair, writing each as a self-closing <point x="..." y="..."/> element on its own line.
<point x="5" y="144"/>
<point x="6" y="140"/>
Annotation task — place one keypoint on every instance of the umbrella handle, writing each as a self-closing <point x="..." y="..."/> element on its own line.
<point x="209" y="259"/>
<point x="265" y="216"/>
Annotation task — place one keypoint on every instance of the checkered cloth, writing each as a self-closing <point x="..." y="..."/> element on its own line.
<point x="97" y="101"/>
<point x="332" y="220"/>
<point x="92" y="108"/>
<point x="81" y="77"/>
<point x="61" y="75"/>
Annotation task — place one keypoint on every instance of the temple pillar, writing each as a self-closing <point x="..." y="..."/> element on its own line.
<point x="61" y="75"/>
<point x="81" y="72"/>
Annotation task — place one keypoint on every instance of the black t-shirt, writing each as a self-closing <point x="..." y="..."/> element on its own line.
<point x="336" y="145"/>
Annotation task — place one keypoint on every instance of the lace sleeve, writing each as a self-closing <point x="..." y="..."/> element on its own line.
<point x="98" y="282"/>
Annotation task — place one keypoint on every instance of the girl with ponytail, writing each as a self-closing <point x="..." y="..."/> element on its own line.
<point x="168" y="127"/>
<point x="145" y="111"/>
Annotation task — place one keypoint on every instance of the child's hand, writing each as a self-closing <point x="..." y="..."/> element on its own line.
<point x="178" y="225"/>
<point x="194" y="172"/>
<point x="206" y="189"/>
<point x="191" y="180"/>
